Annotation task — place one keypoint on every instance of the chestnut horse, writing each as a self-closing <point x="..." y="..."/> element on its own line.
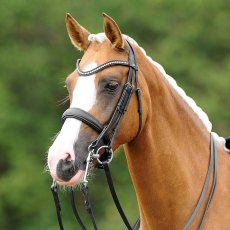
<point x="168" y="159"/>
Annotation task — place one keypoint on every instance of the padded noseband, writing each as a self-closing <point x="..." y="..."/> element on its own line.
<point x="86" y="118"/>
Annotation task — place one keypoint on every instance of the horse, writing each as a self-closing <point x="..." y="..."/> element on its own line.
<point x="167" y="147"/>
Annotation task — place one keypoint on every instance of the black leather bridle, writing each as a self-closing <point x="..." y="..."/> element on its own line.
<point x="122" y="105"/>
<point x="108" y="133"/>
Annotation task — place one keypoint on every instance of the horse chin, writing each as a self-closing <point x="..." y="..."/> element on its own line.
<point x="76" y="179"/>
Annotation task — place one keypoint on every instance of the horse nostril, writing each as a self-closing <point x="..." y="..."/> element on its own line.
<point x="66" y="169"/>
<point x="68" y="157"/>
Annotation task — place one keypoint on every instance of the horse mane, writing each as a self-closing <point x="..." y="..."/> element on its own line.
<point x="191" y="103"/>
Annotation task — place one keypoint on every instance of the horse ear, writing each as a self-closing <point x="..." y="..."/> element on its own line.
<point x="113" y="32"/>
<point x="78" y="34"/>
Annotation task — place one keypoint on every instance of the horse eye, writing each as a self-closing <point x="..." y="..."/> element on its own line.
<point x="112" y="86"/>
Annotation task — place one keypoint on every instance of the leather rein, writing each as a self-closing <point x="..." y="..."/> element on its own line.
<point x="107" y="134"/>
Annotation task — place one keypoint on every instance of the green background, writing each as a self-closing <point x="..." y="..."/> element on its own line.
<point x="191" y="39"/>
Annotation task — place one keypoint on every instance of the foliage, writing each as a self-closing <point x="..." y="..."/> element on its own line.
<point x="189" y="38"/>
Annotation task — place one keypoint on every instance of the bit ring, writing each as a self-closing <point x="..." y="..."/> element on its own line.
<point x="109" y="156"/>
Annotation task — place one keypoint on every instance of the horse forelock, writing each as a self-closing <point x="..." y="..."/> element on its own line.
<point x="100" y="38"/>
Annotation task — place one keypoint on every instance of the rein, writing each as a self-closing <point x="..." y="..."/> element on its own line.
<point x="212" y="164"/>
<point x="107" y="134"/>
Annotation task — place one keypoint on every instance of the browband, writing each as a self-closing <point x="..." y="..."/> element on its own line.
<point x="100" y="67"/>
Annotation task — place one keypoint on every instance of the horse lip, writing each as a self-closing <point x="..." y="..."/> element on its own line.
<point x="76" y="179"/>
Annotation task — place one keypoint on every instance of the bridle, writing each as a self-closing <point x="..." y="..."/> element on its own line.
<point x="108" y="133"/>
<point x="104" y="154"/>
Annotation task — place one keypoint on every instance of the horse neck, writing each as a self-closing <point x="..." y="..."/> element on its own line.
<point x="168" y="156"/>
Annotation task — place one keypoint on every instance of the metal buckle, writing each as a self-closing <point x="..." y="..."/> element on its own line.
<point x="88" y="162"/>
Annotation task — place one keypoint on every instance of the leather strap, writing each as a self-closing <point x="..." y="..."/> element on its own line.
<point x="215" y="168"/>
<point x="76" y="214"/>
<point x="212" y="162"/>
<point x="100" y="67"/>
<point x="85" y="192"/>
<point x="83" y="116"/>
<point x="136" y="226"/>
<point x="86" y="118"/>
<point x="54" y="190"/>
<point x="114" y="195"/>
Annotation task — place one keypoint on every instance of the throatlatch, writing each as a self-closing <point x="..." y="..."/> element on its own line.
<point x="103" y="154"/>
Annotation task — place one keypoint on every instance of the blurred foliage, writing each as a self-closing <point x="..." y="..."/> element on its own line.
<point x="189" y="38"/>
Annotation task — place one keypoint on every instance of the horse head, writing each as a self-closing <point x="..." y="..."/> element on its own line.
<point x="97" y="93"/>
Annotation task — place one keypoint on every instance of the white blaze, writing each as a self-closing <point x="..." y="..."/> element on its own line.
<point x="84" y="94"/>
<point x="84" y="97"/>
